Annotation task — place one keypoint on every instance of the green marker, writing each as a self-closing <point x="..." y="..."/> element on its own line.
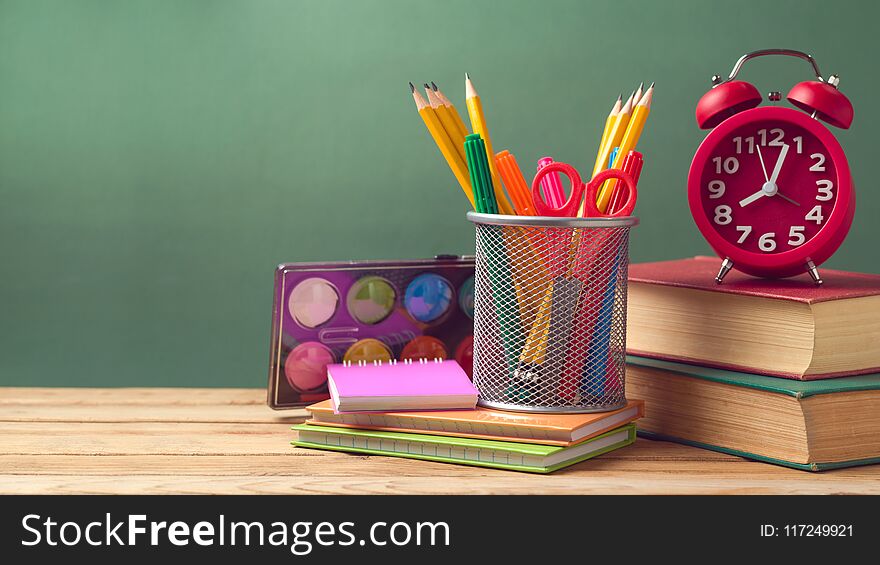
<point x="498" y="263"/>
<point x="473" y="166"/>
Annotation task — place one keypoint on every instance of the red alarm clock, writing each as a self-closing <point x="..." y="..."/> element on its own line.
<point x="770" y="188"/>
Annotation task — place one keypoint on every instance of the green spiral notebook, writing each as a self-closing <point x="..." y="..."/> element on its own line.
<point x="529" y="457"/>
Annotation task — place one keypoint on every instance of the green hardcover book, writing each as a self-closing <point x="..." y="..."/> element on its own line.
<point x="529" y="457"/>
<point x="811" y="425"/>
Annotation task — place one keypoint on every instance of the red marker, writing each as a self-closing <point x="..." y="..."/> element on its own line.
<point x="632" y="164"/>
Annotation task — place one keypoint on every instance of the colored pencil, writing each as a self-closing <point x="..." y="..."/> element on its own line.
<point x="456" y="117"/>
<point x="444" y="143"/>
<point x="596" y="366"/>
<point x="628" y="142"/>
<point x="615" y="135"/>
<point x="446" y="120"/>
<point x="613" y="156"/>
<point x="478" y="124"/>
<point x="609" y="123"/>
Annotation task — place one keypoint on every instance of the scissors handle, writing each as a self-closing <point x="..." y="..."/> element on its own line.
<point x="593" y="188"/>
<point x="577" y="190"/>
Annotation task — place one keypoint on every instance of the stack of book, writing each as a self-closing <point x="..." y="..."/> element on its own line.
<point x="427" y="411"/>
<point x="781" y="371"/>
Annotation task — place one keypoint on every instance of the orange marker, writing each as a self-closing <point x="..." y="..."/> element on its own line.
<point x="516" y="185"/>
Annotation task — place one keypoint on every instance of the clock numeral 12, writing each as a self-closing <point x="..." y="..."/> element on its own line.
<point x="778" y="135"/>
<point x="776" y="141"/>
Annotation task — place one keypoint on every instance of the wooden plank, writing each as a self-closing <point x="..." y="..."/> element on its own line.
<point x="141" y="405"/>
<point x="112" y="413"/>
<point x="605" y="483"/>
<point x="228" y="441"/>
<point x="638" y="459"/>
<point x="644" y="457"/>
<point x="185" y="438"/>
<point x="144" y="438"/>
<point x="131" y="396"/>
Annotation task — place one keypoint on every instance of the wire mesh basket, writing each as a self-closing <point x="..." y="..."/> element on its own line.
<point x="550" y="312"/>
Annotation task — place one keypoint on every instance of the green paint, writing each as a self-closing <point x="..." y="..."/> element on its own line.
<point x="159" y="158"/>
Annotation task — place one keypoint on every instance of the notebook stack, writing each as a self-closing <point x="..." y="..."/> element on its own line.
<point x="781" y="371"/>
<point x="427" y="411"/>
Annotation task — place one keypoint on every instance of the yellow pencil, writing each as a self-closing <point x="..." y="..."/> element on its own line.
<point x="478" y="124"/>
<point x="610" y="141"/>
<point x="609" y="122"/>
<point x="447" y="148"/>
<point x="628" y="143"/>
<point x="456" y="117"/>
<point x="446" y="121"/>
<point x="614" y="136"/>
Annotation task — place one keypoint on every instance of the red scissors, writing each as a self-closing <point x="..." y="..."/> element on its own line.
<point x="581" y="191"/>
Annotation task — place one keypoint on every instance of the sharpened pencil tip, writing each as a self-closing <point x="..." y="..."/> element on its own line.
<point x="467" y="76"/>
<point x="427" y="87"/>
<point x="434" y="86"/>
<point x="412" y="87"/>
<point x="652" y="85"/>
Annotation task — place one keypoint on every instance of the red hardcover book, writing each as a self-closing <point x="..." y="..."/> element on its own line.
<point x="787" y="328"/>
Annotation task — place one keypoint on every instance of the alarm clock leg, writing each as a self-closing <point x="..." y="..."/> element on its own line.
<point x="814" y="272"/>
<point x="726" y="265"/>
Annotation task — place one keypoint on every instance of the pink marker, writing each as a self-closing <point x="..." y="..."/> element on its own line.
<point x="554" y="195"/>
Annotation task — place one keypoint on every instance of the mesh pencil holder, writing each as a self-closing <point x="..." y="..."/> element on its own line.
<point x="550" y="312"/>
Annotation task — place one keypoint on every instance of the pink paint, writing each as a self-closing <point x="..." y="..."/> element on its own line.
<point x="306" y="366"/>
<point x="313" y="302"/>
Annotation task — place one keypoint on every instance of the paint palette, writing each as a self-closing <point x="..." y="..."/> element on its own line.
<point x="366" y="311"/>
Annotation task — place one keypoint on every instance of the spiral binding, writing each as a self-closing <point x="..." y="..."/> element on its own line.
<point x="379" y="362"/>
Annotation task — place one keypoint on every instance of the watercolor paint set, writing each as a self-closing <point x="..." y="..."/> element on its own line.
<point x="366" y="311"/>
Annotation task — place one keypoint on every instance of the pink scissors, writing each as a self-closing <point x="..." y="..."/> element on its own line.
<point x="581" y="191"/>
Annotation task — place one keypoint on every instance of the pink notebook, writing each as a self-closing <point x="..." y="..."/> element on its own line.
<point x="425" y="385"/>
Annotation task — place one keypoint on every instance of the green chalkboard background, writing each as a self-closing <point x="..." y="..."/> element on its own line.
<point x="159" y="158"/>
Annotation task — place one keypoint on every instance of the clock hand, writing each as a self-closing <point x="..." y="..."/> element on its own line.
<point x="761" y="158"/>
<point x="784" y="197"/>
<point x="778" y="166"/>
<point x="749" y="199"/>
<point x="769" y="188"/>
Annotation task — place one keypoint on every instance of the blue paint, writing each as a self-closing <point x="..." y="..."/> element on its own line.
<point x="428" y="297"/>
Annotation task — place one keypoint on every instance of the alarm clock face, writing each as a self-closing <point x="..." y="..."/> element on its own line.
<point x="765" y="187"/>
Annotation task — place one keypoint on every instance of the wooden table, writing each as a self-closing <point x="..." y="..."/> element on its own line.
<point x="199" y="441"/>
